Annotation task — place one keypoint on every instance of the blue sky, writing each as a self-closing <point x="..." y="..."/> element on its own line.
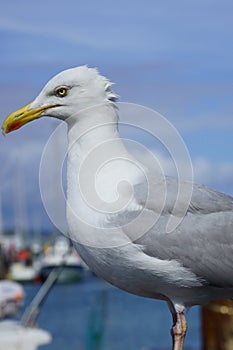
<point x="173" y="56"/>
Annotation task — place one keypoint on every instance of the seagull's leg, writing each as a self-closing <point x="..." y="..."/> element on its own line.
<point x="178" y="330"/>
<point x="179" y="327"/>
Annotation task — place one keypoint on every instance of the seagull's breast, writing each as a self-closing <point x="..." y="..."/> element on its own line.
<point x="97" y="190"/>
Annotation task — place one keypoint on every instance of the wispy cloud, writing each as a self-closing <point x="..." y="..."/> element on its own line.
<point x="156" y="28"/>
<point x="222" y="120"/>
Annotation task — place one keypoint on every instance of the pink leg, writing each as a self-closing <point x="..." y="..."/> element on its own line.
<point x="178" y="330"/>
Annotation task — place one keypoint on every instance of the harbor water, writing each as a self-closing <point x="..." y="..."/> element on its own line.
<point x="95" y="315"/>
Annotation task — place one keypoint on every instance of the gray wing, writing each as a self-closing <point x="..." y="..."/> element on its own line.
<point x="203" y="241"/>
<point x="204" y="200"/>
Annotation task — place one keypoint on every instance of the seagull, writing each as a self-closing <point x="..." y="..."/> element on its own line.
<point x="118" y="210"/>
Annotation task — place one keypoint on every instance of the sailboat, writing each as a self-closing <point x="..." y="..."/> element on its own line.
<point x="62" y="254"/>
<point x="24" y="269"/>
<point x="11" y="297"/>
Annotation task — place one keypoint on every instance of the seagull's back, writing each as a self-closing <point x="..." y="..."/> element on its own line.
<point x="191" y="265"/>
<point x="203" y="241"/>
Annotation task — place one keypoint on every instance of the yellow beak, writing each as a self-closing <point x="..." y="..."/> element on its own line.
<point x="22" y="116"/>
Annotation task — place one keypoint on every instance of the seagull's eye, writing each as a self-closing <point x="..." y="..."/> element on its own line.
<point x="61" y="91"/>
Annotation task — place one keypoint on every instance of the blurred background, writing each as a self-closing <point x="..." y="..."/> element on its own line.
<point x="174" y="57"/>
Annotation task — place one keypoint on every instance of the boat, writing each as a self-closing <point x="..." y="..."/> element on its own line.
<point x="62" y="254"/>
<point x="14" y="336"/>
<point x="11" y="298"/>
<point x="22" y="273"/>
<point x="24" y="334"/>
<point x="25" y="268"/>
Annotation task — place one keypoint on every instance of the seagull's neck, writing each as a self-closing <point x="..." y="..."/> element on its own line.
<point x="98" y="167"/>
<point x="93" y="127"/>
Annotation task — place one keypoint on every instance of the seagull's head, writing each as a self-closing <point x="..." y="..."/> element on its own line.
<point x="63" y="96"/>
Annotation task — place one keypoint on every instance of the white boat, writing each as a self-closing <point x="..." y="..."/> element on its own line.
<point x="65" y="256"/>
<point x="14" y="336"/>
<point x="22" y="273"/>
<point x="11" y="298"/>
<point x="24" y="335"/>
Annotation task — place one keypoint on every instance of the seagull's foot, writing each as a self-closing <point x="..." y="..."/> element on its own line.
<point x="178" y="330"/>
